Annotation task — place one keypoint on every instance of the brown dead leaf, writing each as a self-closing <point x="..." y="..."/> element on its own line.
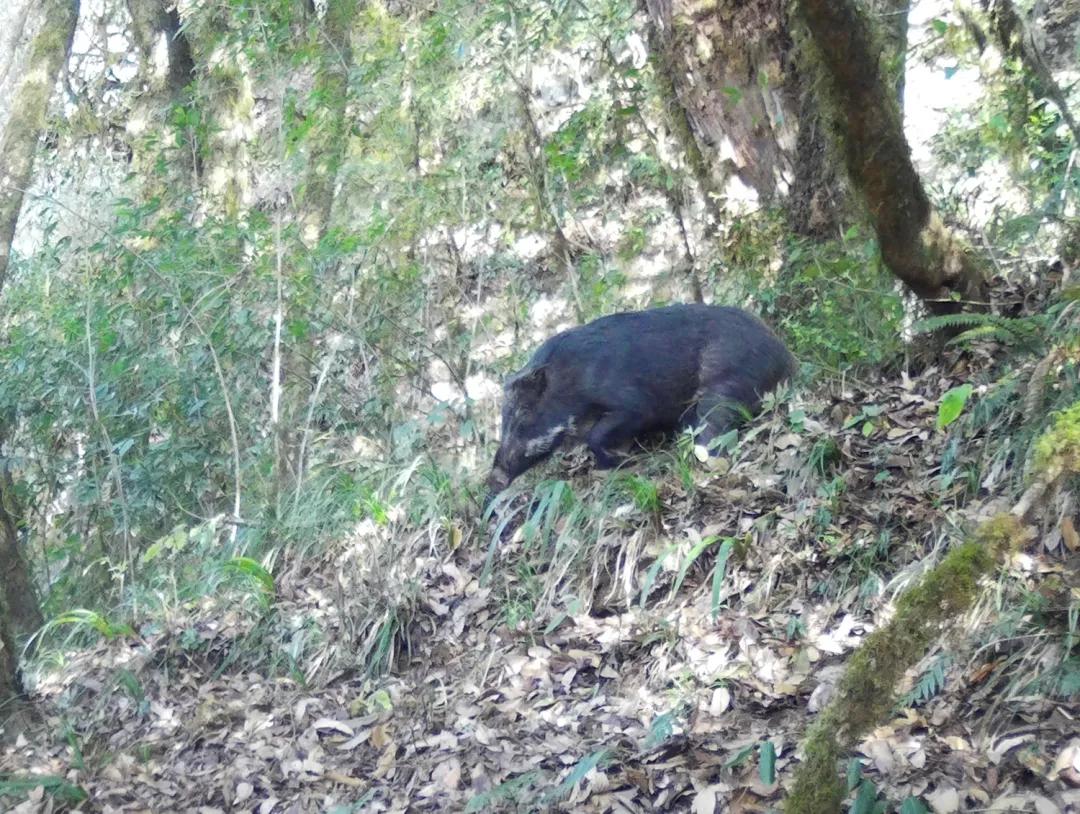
<point x="448" y="774"/>
<point x="956" y="743"/>
<point x="983" y="671"/>
<point x="345" y="779"/>
<point x="380" y="736"/>
<point x="386" y="763"/>
<point x="1069" y="534"/>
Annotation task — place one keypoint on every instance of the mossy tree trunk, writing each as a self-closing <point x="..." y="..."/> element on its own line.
<point x="893" y="25"/>
<point x="23" y="610"/>
<point x="165" y="74"/>
<point x="864" y="110"/>
<point x="151" y="22"/>
<point x="866" y="692"/>
<point x="1015" y="40"/>
<point x="817" y="205"/>
<point x="47" y="53"/>
<point x="741" y="105"/>
<point x="727" y="63"/>
<point x="13" y="705"/>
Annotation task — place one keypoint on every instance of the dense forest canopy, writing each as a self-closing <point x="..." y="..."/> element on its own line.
<point x="265" y="266"/>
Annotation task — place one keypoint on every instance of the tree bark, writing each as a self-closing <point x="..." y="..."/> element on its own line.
<point x="915" y="245"/>
<point x="741" y="103"/>
<point x="728" y="65"/>
<point x="893" y="15"/>
<point x="26" y="121"/>
<point x="14" y="710"/>
<point x="23" y="610"/>
<point x="152" y="20"/>
<point x="48" y="52"/>
<point x="818" y="201"/>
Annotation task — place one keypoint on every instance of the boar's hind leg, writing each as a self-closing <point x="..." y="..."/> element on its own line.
<point x="723" y="407"/>
<point x="611" y="432"/>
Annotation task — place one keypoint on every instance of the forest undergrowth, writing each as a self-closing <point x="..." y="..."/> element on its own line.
<point x="254" y="322"/>
<point x="654" y="639"/>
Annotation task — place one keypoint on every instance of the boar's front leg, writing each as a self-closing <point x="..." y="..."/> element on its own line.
<point x="610" y="433"/>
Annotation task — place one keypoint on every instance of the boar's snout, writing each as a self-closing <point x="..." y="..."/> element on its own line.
<point x="496" y="482"/>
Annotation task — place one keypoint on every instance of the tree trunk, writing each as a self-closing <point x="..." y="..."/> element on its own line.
<point x="48" y="52"/>
<point x="915" y="245"/>
<point x="152" y="20"/>
<point x="19" y="592"/>
<point x="740" y="103"/>
<point x="893" y="15"/>
<point x="728" y="65"/>
<point x="26" y="120"/>
<point x="818" y="201"/>
<point x="165" y="76"/>
<point x="14" y="710"/>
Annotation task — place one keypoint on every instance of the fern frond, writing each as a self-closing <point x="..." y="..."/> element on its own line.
<point x="998" y="332"/>
<point x="964" y="320"/>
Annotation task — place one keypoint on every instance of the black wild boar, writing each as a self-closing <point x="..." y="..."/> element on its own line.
<point x="627" y="375"/>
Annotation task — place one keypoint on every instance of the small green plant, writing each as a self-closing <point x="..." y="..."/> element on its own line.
<point x="865" y="419"/>
<point x="952" y="405"/>
<point x="253" y="572"/>
<point x="930" y="683"/>
<point x="824" y="455"/>
<point x="642" y="491"/>
<point x="59" y="789"/>
<point x="1023" y="333"/>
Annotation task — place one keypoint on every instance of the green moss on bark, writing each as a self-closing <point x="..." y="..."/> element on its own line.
<point x="1057" y="452"/>
<point x="862" y="105"/>
<point x="29" y="105"/>
<point x="866" y="693"/>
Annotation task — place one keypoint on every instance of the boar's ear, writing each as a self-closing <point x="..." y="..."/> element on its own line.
<point x="530" y="382"/>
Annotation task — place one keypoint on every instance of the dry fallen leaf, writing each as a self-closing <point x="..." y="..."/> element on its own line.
<point x="944" y="800"/>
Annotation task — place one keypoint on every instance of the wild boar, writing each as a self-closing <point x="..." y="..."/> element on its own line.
<point x="631" y="374"/>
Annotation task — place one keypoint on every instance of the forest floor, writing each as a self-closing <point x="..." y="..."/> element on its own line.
<point x="626" y="706"/>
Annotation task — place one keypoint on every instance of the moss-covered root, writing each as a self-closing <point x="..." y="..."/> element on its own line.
<point x="865" y="694"/>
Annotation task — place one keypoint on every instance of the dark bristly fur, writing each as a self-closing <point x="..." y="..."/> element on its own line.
<point x="627" y="375"/>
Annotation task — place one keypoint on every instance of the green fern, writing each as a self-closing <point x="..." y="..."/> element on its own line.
<point x="930" y="683"/>
<point x="1023" y="332"/>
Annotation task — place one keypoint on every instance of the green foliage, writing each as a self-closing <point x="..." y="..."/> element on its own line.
<point x="930" y="683"/>
<point x="19" y="787"/>
<point x="1014" y="125"/>
<point x="82" y="621"/>
<point x="952" y="404"/>
<point x="642" y="491"/>
<point x="1026" y="333"/>
<point x="832" y="303"/>
<point x="1058" y="450"/>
